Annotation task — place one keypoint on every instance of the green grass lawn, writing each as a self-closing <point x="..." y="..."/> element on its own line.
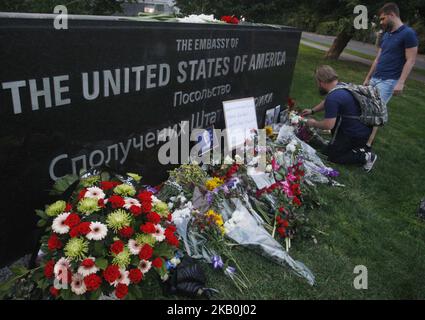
<point x="371" y="222"/>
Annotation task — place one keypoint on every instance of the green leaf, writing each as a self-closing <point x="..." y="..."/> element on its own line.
<point x="99" y="248"/>
<point x="41" y="214"/>
<point x="164" y="250"/>
<point x="41" y="223"/>
<point x="66" y="294"/>
<point x="19" y="270"/>
<point x="95" y="295"/>
<point x="5" y="287"/>
<point x="63" y="183"/>
<point x="101" y="263"/>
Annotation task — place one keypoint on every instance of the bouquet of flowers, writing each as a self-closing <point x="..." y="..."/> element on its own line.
<point x="105" y="239"/>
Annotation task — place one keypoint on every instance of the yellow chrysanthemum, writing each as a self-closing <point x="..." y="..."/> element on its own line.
<point x="215" y="218"/>
<point x="213" y="183"/>
<point x="269" y="131"/>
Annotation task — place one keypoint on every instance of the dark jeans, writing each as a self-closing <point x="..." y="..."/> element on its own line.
<point x="346" y="150"/>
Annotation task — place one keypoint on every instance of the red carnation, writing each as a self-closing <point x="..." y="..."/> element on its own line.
<point x="170" y="217"/>
<point x="135" y="275"/>
<point x="54" y="292"/>
<point x="54" y="243"/>
<point x="148" y="227"/>
<point x="126" y="232"/>
<point x="72" y="220"/>
<point x="154" y="217"/>
<point x="285" y="223"/>
<point x="296" y="201"/>
<point x="135" y="210"/>
<point x="68" y="207"/>
<point x="281" y="209"/>
<point x="82" y="194"/>
<point x="106" y="185"/>
<point x="172" y="240"/>
<point x="282" y="231"/>
<point x="75" y="232"/>
<point x="157" y="263"/>
<point x="121" y="291"/>
<point x="146" y="207"/>
<point x="111" y="273"/>
<point x="87" y="263"/>
<point x="92" y="282"/>
<point x="145" y="196"/>
<point x="116" y="201"/>
<point x="146" y="252"/>
<point x="84" y="228"/>
<point x="117" y="247"/>
<point x="101" y="203"/>
<point x="48" y="269"/>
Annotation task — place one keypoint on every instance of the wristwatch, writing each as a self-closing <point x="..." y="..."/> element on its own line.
<point x="312" y="111"/>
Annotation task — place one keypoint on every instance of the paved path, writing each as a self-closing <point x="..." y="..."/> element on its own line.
<point x="358" y="46"/>
<point x="350" y="57"/>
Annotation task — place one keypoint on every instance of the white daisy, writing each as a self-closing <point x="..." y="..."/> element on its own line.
<point x="159" y="233"/>
<point x="98" y="231"/>
<point x="123" y="278"/>
<point x="131" y="202"/>
<point x="77" y="284"/>
<point x="85" y="271"/>
<point x="95" y="193"/>
<point x="58" y="225"/>
<point x="145" y="266"/>
<point x="62" y="263"/>
<point x="134" y="247"/>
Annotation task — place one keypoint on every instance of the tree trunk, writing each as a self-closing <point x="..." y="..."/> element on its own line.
<point x="338" y="45"/>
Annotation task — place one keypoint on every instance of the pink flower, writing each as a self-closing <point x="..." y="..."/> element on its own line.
<point x="287" y="189"/>
<point x="275" y="165"/>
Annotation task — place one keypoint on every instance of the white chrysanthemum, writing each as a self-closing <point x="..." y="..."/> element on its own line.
<point x="128" y="202"/>
<point x="88" y="271"/>
<point x="61" y="266"/>
<point x="123" y="278"/>
<point x="159" y="234"/>
<point x="98" y="231"/>
<point x="145" y="266"/>
<point x="58" y="225"/>
<point x="154" y="200"/>
<point x="77" y="284"/>
<point x="269" y="168"/>
<point x="134" y="247"/>
<point x="94" y="193"/>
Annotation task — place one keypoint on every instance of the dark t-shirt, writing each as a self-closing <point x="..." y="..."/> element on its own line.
<point x="341" y="102"/>
<point x="393" y="52"/>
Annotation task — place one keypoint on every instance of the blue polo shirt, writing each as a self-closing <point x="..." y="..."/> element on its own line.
<point x="392" y="58"/>
<point x="342" y="103"/>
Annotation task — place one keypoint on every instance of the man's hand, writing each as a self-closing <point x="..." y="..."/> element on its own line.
<point x="306" y="112"/>
<point x="366" y="82"/>
<point x="398" y="89"/>
<point x="311" y="123"/>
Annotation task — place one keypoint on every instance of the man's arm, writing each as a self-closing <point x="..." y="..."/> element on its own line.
<point x="315" y="109"/>
<point x="411" y="54"/>
<point x="372" y="68"/>
<point x="325" y="124"/>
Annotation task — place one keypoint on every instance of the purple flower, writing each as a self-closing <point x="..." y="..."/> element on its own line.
<point x="329" y="172"/>
<point x="230" y="270"/>
<point x="151" y="189"/>
<point x="210" y="197"/>
<point x="217" y="262"/>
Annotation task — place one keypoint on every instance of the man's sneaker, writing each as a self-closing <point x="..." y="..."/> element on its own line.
<point x="370" y="161"/>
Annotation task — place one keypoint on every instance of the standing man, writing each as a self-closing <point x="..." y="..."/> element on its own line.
<point x="395" y="58"/>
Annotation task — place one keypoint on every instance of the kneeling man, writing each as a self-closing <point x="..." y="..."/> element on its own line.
<point x="349" y="135"/>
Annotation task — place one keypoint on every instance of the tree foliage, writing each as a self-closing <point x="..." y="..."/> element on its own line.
<point x="93" y="7"/>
